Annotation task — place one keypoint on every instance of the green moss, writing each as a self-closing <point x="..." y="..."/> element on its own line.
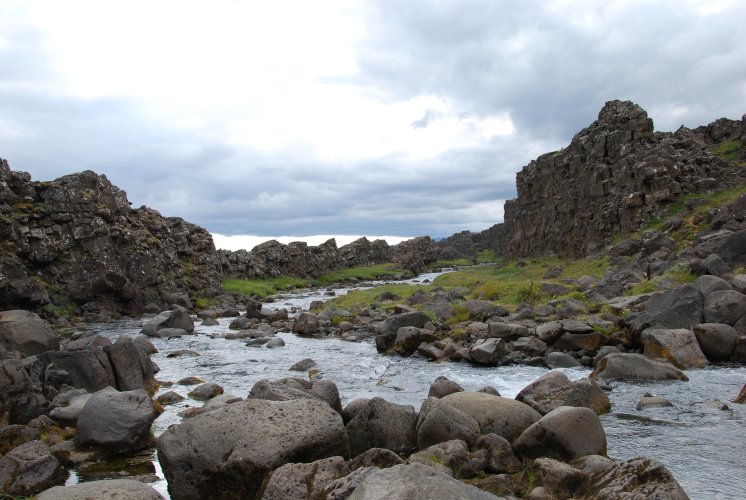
<point x="729" y="150"/>
<point x="487" y="256"/>
<point x="451" y="263"/>
<point x="362" y="299"/>
<point x="205" y="303"/>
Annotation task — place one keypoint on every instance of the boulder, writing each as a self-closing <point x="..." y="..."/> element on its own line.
<point x="677" y="308"/>
<point x="227" y="453"/>
<point x="561" y="479"/>
<point x="380" y="424"/>
<point x="494" y="414"/>
<point x="88" y="341"/>
<point x="549" y="332"/>
<point x="717" y="341"/>
<point x="408" y="338"/>
<point x="206" y="391"/>
<point x="498" y="454"/>
<point x="680" y="347"/>
<point x="649" y="401"/>
<point x="306" y="324"/>
<point x="628" y="367"/>
<point x="558" y="359"/>
<point x="68" y="414"/>
<point x="530" y="346"/>
<point x="26" y="333"/>
<point x="275" y="342"/>
<point x="378" y="457"/>
<point x="89" y="369"/>
<point x="415" y="482"/>
<point x="168" y="319"/>
<point x="565" y="433"/>
<point x="303" y="365"/>
<point x="554" y="389"/>
<point x="120" y="489"/>
<point x="724" y="306"/>
<point x="131" y="366"/>
<point x="579" y="341"/>
<point x="635" y="478"/>
<point x="392" y="324"/>
<point x="169" y="398"/>
<point x="487" y="352"/>
<point x="452" y="457"/>
<point x="286" y="389"/>
<point x="29" y="469"/>
<point x="304" y="481"/>
<point x="481" y="310"/>
<point x="20" y="399"/>
<point x="15" y="435"/>
<point x="439" y="422"/>
<point x="441" y="387"/>
<point x="119" y="421"/>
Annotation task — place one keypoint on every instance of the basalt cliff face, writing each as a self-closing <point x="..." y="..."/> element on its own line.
<point x="613" y="177"/>
<point x="75" y="243"/>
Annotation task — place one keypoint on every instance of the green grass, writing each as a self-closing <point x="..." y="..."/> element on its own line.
<point x="729" y="150"/>
<point x="451" y="263"/>
<point x="363" y="273"/>
<point x="262" y="288"/>
<point x="205" y="303"/>
<point x="486" y="257"/>
<point x="361" y="299"/>
<point x="679" y="274"/>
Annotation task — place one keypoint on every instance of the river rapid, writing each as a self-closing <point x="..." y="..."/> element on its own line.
<point x="700" y="439"/>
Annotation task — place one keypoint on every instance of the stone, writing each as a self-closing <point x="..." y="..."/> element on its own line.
<point x="562" y="479"/>
<point x="505" y="417"/>
<point x="89" y="369"/>
<point x="131" y="366"/>
<point x="206" y="391"/>
<point x="634" y="367"/>
<point x="558" y="359"/>
<point x="306" y="324"/>
<point x="118" y="421"/>
<point x="439" y="422"/>
<point x="20" y="398"/>
<point x="415" y="482"/>
<point x="303" y="365"/>
<point x="487" y="352"/>
<point x="408" y="338"/>
<point x="380" y="424"/>
<point x="15" y="435"/>
<point x="680" y="347"/>
<point x="724" y="306"/>
<point x="498" y="453"/>
<point x="230" y="451"/>
<point x="68" y="414"/>
<point x="530" y="346"/>
<point x="378" y="457"/>
<point x="452" y="457"/>
<point x="441" y="387"/>
<point x="121" y="489"/>
<point x="648" y="401"/>
<point x="549" y="332"/>
<point x="635" y="478"/>
<point x="554" y="389"/>
<point x="506" y="330"/>
<point x="287" y="389"/>
<point x="29" y="469"/>
<point x="564" y="433"/>
<point x="304" y="481"/>
<point x="579" y="341"/>
<point x="677" y="308"/>
<point x="26" y="333"/>
<point x="274" y="343"/>
<point x="717" y="341"/>
<point x="169" y="398"/>
<point x="392" y="324"/>
<point x="168" y="319"/>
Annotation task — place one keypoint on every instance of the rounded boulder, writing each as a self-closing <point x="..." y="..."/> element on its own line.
<point x="505" y="417"/>
<point x="565" y="433"/>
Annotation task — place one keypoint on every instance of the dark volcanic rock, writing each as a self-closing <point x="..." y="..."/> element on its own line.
<point x="87" y="247"/>
<point x="26" y="333"/>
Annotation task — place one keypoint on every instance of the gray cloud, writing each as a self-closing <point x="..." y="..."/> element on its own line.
<point x="550" y="71"/>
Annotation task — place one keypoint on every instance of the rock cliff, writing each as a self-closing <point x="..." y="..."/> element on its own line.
<point x="74" y="244"/>
<point x="613" y="177"/>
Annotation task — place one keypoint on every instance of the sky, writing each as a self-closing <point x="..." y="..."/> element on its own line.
<point x="303" y="120"/>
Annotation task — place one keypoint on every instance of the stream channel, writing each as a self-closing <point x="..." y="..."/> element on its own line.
<point x="701" y="439"/>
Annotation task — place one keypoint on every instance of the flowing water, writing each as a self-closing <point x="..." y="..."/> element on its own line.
<point x="699" y="439"/>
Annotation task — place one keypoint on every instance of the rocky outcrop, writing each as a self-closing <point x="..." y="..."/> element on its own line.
<point x="74" y="244"/>
<point x="611" y="179"/>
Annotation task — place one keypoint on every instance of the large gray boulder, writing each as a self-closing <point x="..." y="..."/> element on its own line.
<point x="487" y="352"/>
<point x="502" y="416"/>
<point x="26" y="333"/>
<point x="88" y="369"/>
<point x="716" y="340"/>
<point x="120" y="489"/>
<point x="408" y="338"/>
<point x="679" y="308"/>
<point x="131" y="366"/>
<point x="29" y="469"/>
<point x="415" y="482"/>
<point x="392" y="324"/>
<point x="439" y="421"/>
<point x="442" y="386"/>
<point x="638" y="477"/>
<point x="628" y="366"/>
<point x="724" y="306"/>
<point x="168" y="319"/>
<point x="119" y="421"/>
<point x="554" y="389"/>
<point x="380" y="424"/>
<point x="680" y="347"/>
<point x="20" y="398"/>
<point x="227" y="453"/>
<point x="304" y="481"/>
<point x="564" y="433"/>
<point x="286" y="389"/>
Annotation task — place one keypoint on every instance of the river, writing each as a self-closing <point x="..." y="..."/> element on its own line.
<point x="700" y="439"/>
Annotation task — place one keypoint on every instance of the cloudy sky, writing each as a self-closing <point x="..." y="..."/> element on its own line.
<point x="298" y="118"/>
